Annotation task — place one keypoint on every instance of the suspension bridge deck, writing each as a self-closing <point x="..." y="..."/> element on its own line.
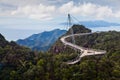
<point x="84" y="51"/>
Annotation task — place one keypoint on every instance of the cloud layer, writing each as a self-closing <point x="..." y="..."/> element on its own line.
<point x="36" y="11"/>
<point x="49" y="9"/>
<point x="47" y="12"/>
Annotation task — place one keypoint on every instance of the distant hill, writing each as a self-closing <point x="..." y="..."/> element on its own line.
<point x="42" y="41"/>
<point x="97" y="23"/>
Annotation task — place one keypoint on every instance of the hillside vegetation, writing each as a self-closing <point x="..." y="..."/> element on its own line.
<point x="20" y="63"/>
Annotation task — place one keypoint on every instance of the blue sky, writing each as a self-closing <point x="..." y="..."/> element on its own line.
<point x="22" y="18"/>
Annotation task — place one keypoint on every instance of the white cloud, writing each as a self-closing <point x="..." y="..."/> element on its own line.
<point x="88" y="9"/>
<point x="117" y="14"/>
<point x="47" y="12"/>
<point x="66" y="8"/>
<point x="35" y="11"/>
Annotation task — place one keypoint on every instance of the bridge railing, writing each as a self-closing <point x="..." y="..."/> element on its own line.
<point x="77" y="58"/>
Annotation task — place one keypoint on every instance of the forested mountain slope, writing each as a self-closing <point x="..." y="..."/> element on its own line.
<point x="20" y="63"/>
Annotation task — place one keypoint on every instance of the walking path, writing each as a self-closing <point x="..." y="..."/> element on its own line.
<point x="84" y="51"/>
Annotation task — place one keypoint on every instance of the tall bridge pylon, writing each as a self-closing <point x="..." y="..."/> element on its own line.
<point x="71" y="29"/>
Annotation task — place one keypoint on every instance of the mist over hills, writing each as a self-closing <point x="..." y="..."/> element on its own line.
<point x="96" y="23"/>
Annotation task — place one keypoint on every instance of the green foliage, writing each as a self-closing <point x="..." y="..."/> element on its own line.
<point x="20" y="63"/>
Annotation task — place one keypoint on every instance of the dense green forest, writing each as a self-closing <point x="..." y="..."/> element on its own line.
<point x="20" y="63"/>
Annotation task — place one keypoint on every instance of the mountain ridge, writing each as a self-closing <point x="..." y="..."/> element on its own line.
<point x="41" y="41"/>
